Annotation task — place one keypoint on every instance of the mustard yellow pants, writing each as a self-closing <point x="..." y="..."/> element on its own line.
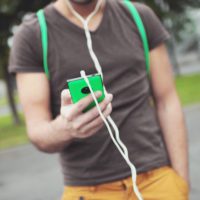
<point x="158" y="184"/>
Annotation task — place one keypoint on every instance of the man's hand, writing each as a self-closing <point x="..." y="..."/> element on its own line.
<point x="52" y="135"/>
<point x="82" y="125"/>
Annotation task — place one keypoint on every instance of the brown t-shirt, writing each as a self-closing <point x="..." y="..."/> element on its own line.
<point x="119" y="49"/>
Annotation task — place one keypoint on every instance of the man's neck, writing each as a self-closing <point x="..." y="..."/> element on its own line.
<point x="83" y="9"/>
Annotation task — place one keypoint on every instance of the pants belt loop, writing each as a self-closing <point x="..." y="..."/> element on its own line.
<point x="126" y="183"/>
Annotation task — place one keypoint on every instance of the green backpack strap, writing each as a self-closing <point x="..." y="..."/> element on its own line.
<point x="141" y="29"/>
<point x="44" y="38"/>
<point x="135" y="15"/>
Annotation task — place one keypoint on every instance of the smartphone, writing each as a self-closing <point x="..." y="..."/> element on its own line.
<point x="79" y="89"/>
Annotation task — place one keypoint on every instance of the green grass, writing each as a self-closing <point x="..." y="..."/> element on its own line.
<point x="4" y="100"/>
<point x="11" y="135"/>
<point x="188" y="88"/>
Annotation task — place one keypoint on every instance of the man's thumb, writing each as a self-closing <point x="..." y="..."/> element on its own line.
<point x="65" y="98"/>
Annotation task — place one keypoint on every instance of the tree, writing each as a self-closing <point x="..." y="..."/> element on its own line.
<point x="11" y="13"/>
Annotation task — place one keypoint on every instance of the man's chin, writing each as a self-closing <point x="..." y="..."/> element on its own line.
<point x="82" y="2"/>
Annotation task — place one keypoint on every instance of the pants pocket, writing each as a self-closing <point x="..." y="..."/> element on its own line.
<point x="111" y="191"/>
<point x="180" y="182"/>
<point x="67" y="196"/>
<point x="74" y="194"/>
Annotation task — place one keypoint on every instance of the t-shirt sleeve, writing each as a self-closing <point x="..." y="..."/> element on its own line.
<point x="156" y="32"/>
<point x="25" y="53"/>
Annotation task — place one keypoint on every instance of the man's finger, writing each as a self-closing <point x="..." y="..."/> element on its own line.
<point x="93" y="113"/>
<point x="65" y="98"/>
<point x="83" y="103"/>
<point x="91" y="132"/>
<point x="98" y="121"/>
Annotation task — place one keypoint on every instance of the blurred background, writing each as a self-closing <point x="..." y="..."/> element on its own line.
<point x="28" y="174"/>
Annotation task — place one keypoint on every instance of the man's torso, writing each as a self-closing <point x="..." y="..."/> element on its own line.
<point x="119" y="49"/>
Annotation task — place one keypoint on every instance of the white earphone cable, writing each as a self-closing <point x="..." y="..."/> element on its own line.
<point x="87" y="32"/>
<point x="123" y="150"/>
<point x="119" y="144"/>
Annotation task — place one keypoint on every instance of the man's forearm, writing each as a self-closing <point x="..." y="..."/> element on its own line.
<point x="49" y="136"/>
<point x="172" y="122"/>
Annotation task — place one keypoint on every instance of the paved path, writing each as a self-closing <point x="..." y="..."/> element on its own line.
<point x="192" y="115"/>
<point x="26" y="174"/>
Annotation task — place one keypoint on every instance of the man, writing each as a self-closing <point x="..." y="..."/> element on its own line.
<point x="154" y="134"/>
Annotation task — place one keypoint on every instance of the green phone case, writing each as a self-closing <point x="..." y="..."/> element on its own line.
<point x="78" y="88"/>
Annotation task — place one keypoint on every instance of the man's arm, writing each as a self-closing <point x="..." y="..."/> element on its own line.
<point x="33" y="89"/>
<point x="169" y="110"/>
<point x="50" y="135"/>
